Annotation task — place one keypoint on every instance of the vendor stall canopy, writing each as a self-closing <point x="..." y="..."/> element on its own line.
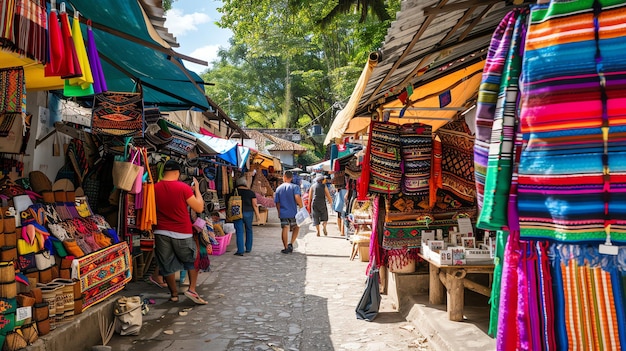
<point x="430" y="65"/>
<point x="131" y="50"/>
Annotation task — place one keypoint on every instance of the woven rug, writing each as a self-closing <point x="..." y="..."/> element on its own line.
<point x="563" y="193"/>
<point x="457" y="164"/>
<point x="417" y="145"/>
<point x="12" y="90"/>
<point x="103" y="273"/>
<point x="119" y="114"/>
<point x="385" y="158"/>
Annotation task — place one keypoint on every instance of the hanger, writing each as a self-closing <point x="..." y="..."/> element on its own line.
<point x="53" y="5"/>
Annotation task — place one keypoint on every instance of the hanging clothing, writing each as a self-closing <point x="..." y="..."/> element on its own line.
<point x="70" y="68"/>
<point x="81" y="85"/>
<point x="99" y="82"/>
<point x="56" y="47"/>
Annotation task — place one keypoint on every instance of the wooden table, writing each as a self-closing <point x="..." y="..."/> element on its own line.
<point x="452" y="279"/>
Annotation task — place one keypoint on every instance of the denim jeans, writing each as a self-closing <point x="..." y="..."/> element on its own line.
<point x="244" y="226"/>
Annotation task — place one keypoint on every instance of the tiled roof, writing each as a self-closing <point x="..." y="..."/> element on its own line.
<point x="269" y="142"/>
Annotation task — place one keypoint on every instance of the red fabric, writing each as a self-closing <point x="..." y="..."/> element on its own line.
<point x="206" y="132"/>
<point x="56" y="47"/>
<point x="364" y="179"/>
<point x="70" y="68"/>
<point x="171" y="206"/>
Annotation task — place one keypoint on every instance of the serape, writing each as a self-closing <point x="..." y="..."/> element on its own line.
<point x="103" y="273"/>
<point x="574" y="127"/>
<point x="499" y="164"/>
<point x="488" y="97"/>
<point x="30" y="29"/>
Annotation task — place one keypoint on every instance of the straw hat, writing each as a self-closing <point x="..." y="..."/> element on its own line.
<point x="63" y="185"/>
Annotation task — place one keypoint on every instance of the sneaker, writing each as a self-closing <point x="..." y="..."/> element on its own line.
<point x="290" y="248"/>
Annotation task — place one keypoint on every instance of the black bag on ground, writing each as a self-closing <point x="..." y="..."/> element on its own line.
<point x="368" y="306"/>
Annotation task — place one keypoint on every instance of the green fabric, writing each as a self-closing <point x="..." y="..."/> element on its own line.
<point x="501" y="238"/>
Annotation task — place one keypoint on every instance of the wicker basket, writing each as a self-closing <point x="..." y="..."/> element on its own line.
<point x="7" y="272"/>
<point x="8" y="289"/>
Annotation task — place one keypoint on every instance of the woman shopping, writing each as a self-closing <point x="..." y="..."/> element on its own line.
<point x="318" y="194"/>
<point x="243" y="226"/>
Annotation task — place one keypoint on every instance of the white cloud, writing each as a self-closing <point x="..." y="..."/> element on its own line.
<point x="179" y="23"/>
<point x="207" y="53"/>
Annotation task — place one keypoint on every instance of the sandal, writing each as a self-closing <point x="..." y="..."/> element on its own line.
<point x="160" y="285"/>
<point x="173" y="299"/>
<point x="195" y="297"/>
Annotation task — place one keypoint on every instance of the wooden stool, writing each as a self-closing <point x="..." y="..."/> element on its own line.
<point x="359" y="240"/>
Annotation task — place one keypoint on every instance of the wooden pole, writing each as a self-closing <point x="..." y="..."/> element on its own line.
<point x="436" y="288"/>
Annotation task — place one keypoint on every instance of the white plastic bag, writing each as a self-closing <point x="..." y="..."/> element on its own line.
<point x="303" y="217"/>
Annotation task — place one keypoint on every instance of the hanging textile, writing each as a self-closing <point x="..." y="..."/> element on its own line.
<point x="457" y="164"/>
<point x="116" y="113"/>
<point x="435" y="182"/>
<point x="499" y="164"/>
<point x="148" y="216"/>
<point x="573" y="169"/>
<point x="591" y="283"/>
<point x="81" y="85"/>
<point x="385" y="159"/>
<point x="70" y="67"/>
<point x="6" y="23"/>
<point x="30" y="29"/>
<point x="416" y="146"/>
<point x="56" y="48"/>
<point x="99" y="82"/>
<point x="12" y="90"/>
<point x="364" y="179"/>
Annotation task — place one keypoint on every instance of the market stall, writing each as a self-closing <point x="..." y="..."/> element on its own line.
<point x="75" y="176"/>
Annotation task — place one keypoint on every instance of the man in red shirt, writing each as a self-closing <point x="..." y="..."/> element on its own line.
<point x="175" y="248"/>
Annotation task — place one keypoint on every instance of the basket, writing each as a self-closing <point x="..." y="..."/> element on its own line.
<point x="223" y="242"/>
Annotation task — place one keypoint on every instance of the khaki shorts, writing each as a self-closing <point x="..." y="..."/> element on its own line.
<point x="174" y="255"/>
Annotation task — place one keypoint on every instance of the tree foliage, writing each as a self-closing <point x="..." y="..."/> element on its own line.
<point x="284" y="68"/>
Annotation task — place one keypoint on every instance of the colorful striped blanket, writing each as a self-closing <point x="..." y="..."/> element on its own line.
<point x="572" y="173"/>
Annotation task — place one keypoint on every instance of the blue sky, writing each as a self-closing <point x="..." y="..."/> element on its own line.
<point x="195" y="30"/>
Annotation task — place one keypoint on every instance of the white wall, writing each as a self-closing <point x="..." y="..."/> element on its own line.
<point x="41" y="158"/>
<point x="286" y="157"/>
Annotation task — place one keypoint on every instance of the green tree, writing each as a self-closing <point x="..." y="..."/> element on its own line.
<point x="284" y="69"/>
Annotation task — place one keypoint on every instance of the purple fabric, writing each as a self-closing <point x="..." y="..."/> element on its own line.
<point x="522" y="318"/>
<point x="99" y="83"/>
<point x="533" y="294"/>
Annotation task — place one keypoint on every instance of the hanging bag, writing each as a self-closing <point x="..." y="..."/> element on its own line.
<point x="137" y="185"/>
<point x="235" y="207"/>
<point x="125" y="173"/>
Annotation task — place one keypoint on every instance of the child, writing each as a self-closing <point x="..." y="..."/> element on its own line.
<point x="217" y="224"/>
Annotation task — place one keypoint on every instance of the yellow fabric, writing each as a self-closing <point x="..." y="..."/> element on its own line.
<point x="33" y="71"/>
<point x="86" y="80"/>
<point x="344" y="116"/>
<point x="469" y="79"/>
<point x="463" y="84"/>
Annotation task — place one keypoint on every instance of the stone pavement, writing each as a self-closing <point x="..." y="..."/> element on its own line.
<point x="266" y="300"/>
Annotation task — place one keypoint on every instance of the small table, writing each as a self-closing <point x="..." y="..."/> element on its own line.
<point x="452" y="279"/>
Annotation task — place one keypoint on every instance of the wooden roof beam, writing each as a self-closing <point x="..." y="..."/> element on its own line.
<point x="475" y="22"/>
<point x="423" y="61"/>
<point x="436" y="10"/>
<point x="414" y="41"/>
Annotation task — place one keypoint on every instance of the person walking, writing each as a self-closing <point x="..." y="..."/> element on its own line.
<point x="318" y="194"/>
<point x="288" y="200"/>
<point x="175" y="248"/>
<point x="243" y="226"/>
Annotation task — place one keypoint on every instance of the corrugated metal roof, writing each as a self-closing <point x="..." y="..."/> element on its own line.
<point x="428" y="39"/>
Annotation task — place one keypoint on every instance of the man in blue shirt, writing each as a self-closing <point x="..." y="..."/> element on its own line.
<point x="288" y="200"/>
